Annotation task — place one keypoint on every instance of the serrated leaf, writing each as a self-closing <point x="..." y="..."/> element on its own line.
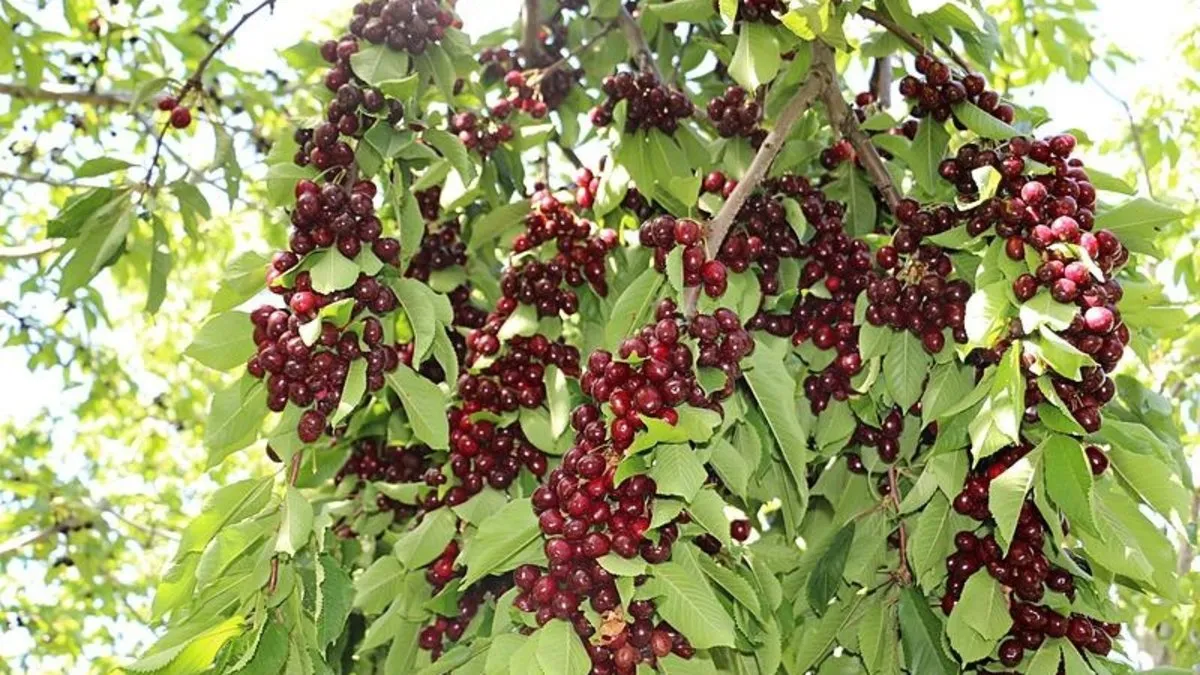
<point x="905" y="368"/>
<point x="297" y="523"/>
<point x="376" y="64"/>
<point x="421" y="545"/>
<point x="499" y="539"/>
<point x="979" y="619"/>
<point x="224" y="341"/>
<point x="453" y="150"/>
<point x="331" y="271"/>
<point x="688" y="603"/>
<point x="982" y="123"/>
<point x="756" y="59"/>
<point x="775" y="391"/>
<point x="378" y="585"/>
<point x="425" y="403"/>
<point x="192" y="656"/>
<point x="1138" y="223"/>
<point x="921" y="635"/>
<point x="826" y="577"/>
<point x="234" y="417"/>
<point x="1007" y="495"/>
<point x="926" y="153"/>
<point x="632" y="307"/>
<point x="677" y="471"/>
<point x="1069" y="480"/>
<point x="560" y="651"/>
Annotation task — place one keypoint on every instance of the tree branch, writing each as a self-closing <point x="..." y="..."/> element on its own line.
<point x="894" y="495"/>
<point x="842" y="119"/>
<point x="881" y="81"/>
<point x="637" y="43"/>
<point x="1135" y="129"/>
<point x="194" y="81"/>
<point x="529" y="31"/>
<point x="587" y="44"/>
<point x="915" y="43"/>
<point x="31" y="250"/>
<point x="816" y="82"/>
<point x="101" y="99"/>
<point x="45" y="180"/>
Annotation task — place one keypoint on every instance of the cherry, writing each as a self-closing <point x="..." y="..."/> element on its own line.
<point x="181" y="117"/>
<point x="1097" y="460"/>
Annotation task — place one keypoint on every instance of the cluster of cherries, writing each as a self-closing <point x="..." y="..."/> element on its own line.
<point x="403" y="25"/>
<point x="942" y="89"/>
<point x="925" y="306"/>
<point x="735" y="114"/>
<point x="312" y="376"/>
<point x="181" y="115"/>
<point x="481" y="135"/>
<point x="587" y="184"/>
<point x="372" y="459"/>
<point x="516" y="377"/>
<point x="763" y="11"/>
<point x="481" y="453"/>
<point x="651" y="104"/>
<point x="329" y="215"/>
<point x="1025" y="568"/>
<point x="443" y="629"/>
<point x="665" y="232"/>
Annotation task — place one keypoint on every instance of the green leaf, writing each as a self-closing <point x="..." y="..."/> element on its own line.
<point x="905" y="368"/>
<point x="826" y="577"/>
<point x="376" y="64"/>
<point x="492" y="225"/>
<point x="932" y="539"/>
<point x="297" y="523"/>
<point x="425" y="403"/>
<point x="708" y="509"/>
<point x="241" y="280"/>
<point x="421" y="545"/>
<point x="1109" y="183"/>
<point x="100" y="166"/>
<point x="418" y="305"/>
<point x="622" y="567"/>
<point x="979" y="619"/>
<point x="1045" y="660"/>
<point x="1138" y="223"/>
<point x="499" y="539"/>
<point x="689" y="604"/>
<point x="998" y="421"/>
<point x="733" y="584"/>
<point x="695" y="424"/>
<point x="819" y="637"/>
<point x="192" y="656"/>
<point x="878" y="640"/>
<point x="224" y="341"/>
<point x="160" y="266"/>
<point x="775" y="391"/>
<point x="1044" y="310"/>
<point x="234" y="417"/>
<point x="352" y="390"/>
<point x="560" y="650"/>
<point x="677" y="471"/>
<point x="1007" y="496"/>
<point x="926" y="153"/>
<point x="921" y="635"/>
<point x="949" y="384"/>
<point x="1069" y="480"/>
<point x="281" y="182"/>
<point x="987" y="313"/>
<point x="691" y="11"/>
<point x="378" y="585"/>
<point x="756" y="59"/>
<point x="331" y="271"/>
<point x="633" y="307"/>
<point x="1155" y="481"/>
<point x="337" y="599"/>
<point x="453" y="150"/>
<point x="983" y="123"/>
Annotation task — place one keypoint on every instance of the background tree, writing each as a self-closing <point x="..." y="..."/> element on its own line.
<point x="144" y="156"/>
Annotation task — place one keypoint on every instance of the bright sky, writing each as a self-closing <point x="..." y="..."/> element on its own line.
<point x="1085" y="106"/>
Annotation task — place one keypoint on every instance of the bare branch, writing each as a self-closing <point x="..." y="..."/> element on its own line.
<point x="638" y="45"/>
<point x="33" y="249"/>
<point x="881" y="81"/>
<point x="817" y="81"/>
<point x="1135" y="130"/>
<point x="45" y="180"/>
<point x="915" y="43"/>
<point x="101" y="99"/>
<point x="529" y="32"/>
<point x="842" y="119"/>
<point x="894" y="497"/>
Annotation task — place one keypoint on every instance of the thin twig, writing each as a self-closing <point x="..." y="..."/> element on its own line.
<point x="719" y="226"/>
<point x="47" y="180"/>
<point x="194" y="82"/>
<point x="33" y="249"/>
<point x="915" y="43"/>
<point x="588" y="44"/>
<point x="842" y="119"/>
<point x="1135" y="130"/>
<point x="102" y="99"/>
<point x="637" y="43"/>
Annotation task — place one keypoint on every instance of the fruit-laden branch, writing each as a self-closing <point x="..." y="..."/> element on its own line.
<point x="586" y="45"/>
<point x="842" y="119"/>
<point x="194" y="81"/>
<point x="817" y="81"/>
<point x="106" y="99"/>
<point x="637" y="42"/>
<point x="909" y="38"/>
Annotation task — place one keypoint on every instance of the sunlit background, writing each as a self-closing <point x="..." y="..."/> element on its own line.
<point x="1096" y="105"/>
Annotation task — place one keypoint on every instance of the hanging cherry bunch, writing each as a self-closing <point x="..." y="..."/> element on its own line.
<point x="735" y="114"/>
<point x="942" y="89"/>
<point x="651" y="104"/>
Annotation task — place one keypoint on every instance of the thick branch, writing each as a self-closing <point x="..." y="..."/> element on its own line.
<point x="908" y="38"/>
<point x="842" y="119"/>
<point x="106" y="99"/>
<point x="638" y="45"/>
<point x="31" y="250"/>
<point x="529" y="31"/>
<point x="719" y="226"/>
<point x="881" y="81"/>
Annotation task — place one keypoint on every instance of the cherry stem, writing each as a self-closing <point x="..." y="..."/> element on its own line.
<point x="637" y="43"/>
<point x="816" y="82"/>
<point x="587" y="44"/>
<point x="894" y="495"/>
<point x="842" y="119"/>
<point x="194" y="82"/>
